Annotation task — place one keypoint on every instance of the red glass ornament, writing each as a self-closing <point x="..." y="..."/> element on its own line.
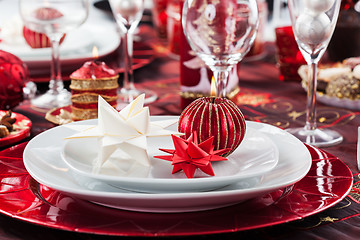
<point x="218" y="117"/>
<point x="13" y="74"/>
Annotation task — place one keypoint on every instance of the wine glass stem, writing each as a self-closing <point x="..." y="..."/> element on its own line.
<point x="128" y="51"/>
<point x="311" y="98"/>
<point x="56" y="84"/>
<point x="221" y="78"/>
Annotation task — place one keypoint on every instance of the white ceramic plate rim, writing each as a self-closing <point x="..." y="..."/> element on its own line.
<point x="284" y="174"/>
<point x="172" y="184"/>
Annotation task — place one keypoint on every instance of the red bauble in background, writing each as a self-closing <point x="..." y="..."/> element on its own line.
<point x="38" y="40"/>
<point x="218" y="117"/>
<point x="13" y="74"/>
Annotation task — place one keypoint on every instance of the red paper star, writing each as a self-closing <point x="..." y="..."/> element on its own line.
<point x="190" y="155"/>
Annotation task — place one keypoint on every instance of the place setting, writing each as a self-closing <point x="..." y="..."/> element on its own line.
<point x="124" y="153"/>
<point x="108" y="166"/>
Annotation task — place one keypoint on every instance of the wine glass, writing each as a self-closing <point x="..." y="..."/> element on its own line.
<point x="54" y="18"/>
<point x="313" y="23"/>
<point x="220" y="33"/>
<point x="128" y="14"/>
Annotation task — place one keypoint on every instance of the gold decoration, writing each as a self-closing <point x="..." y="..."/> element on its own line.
<point x="91" y="84"/>
<point x="328" y="219"/>
<point x="294" y="115"/>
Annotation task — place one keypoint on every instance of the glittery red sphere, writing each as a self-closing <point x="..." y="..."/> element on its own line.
<point x="218" y="117"/>
<point x="13" y="74"/>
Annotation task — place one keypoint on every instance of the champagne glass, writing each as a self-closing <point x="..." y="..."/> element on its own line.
<point x="220" y="33"/>
<point x="128" y="14"/>
<point x="313" y="22"/>
<point x="54" y="18"/>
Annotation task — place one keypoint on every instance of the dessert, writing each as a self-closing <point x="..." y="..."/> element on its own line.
<point x="6" y="124"/>
<point x="218" y="117"/>
<point x="7" y="121"/>
<point x="87" y="83"/>
<point x="340" y="80"/>
<point x="4" y="132"/>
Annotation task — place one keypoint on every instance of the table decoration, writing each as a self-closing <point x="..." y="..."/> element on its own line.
<point x="37" y="39"/>
<point x="218" y="117"/>
<point x="190" y="154"/>
<point x="126" y="130"/>
<point x="13" y="75"/>
<point x="94" y="78"/>
<point x="17" y="125"/>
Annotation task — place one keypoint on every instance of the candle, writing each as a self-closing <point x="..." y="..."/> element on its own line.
<point x="212" y="116"/>
<point x="92" y="79"/>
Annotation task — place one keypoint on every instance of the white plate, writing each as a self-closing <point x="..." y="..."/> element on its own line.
<point x="256" y="155"/>
<point x="77" y="47"/>
<point x="42" y="159"/>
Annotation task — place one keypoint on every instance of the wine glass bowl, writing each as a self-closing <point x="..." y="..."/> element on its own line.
<point x="128" y="14"/>
<point x="313" y="23"/>
<point x="54" y="18"/>
<point x="220" y="33"/>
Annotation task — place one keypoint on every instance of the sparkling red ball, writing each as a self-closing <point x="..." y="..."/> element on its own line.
<point x="13" y="74"/>
<point x="218" y="117"/>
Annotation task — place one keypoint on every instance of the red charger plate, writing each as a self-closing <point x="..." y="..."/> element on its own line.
<point x="327" y="183"/>
<point x="21" y="130"/>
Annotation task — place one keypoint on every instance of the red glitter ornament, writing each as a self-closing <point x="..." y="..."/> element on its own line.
<point x="13" y="74"/>
<point x="190" y="154"/>
<point x="217" y="117"/>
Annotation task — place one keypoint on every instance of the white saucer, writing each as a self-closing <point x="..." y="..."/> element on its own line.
<point x="42" y="159"/>
<point x="256" y="155"/>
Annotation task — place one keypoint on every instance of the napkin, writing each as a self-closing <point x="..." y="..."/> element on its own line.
<point x="126" y="130"/>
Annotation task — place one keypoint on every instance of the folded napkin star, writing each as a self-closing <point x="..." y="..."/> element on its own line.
<point x="126" y="130"/>
<point x="190" y="155"/>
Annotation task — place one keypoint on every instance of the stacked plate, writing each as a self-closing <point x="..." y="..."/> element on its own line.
<point x="268" y="159"/>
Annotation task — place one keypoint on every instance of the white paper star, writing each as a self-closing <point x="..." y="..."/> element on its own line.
<point x="127" y="130"/>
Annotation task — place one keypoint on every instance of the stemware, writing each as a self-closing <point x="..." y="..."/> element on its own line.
<point x="128" y="14"/>
<point x="313" y="22"/>
<point x="220" y="33"/>
<point x="54" y="18"/>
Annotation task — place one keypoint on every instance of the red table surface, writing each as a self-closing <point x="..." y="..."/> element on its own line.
<point x="262" y="98"/>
